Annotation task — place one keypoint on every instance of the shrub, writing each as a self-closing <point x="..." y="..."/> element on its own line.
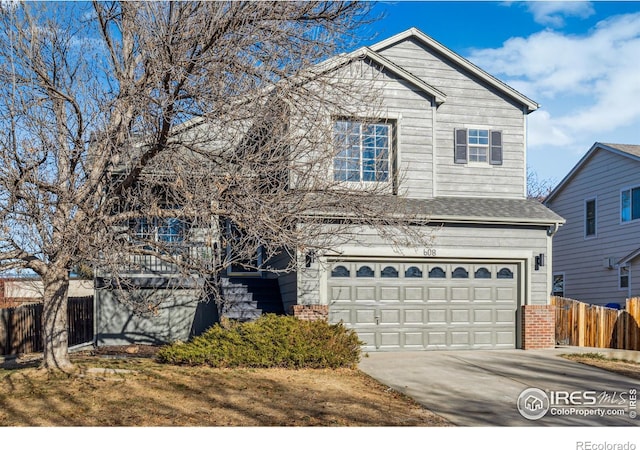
<point x="270" y="341"/>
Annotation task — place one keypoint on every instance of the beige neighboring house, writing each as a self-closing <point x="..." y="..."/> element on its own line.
<point x="29" y="290"/>
<point x="596" y="254"/>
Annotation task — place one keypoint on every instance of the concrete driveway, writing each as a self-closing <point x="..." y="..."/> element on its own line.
<point x="481" y="388"/>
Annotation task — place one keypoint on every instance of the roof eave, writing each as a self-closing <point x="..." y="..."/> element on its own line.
<point x="587" y="156"/>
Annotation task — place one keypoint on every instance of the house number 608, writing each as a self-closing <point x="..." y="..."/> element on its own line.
<point x="429" y="252"/>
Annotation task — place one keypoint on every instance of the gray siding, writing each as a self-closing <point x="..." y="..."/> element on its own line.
<point x="450" y="243"/>
<point x="179" y="313"/>
<point x="412" y="112"/>
<point x="469" y="104"/>
<point x="581" y="259"/>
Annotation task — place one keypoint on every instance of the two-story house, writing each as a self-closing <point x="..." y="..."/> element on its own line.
<point x="597" y="252"/>
<point x="450" y="142"/>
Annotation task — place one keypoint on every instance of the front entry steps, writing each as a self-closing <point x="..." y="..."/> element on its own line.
<point x="246" y="299"/>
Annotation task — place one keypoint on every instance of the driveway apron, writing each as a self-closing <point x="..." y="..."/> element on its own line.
<point x="481" y="388"/>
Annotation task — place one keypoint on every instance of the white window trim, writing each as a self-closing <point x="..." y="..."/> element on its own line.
<point x="584" y="218"/>
<point x="628" y="288"/>
<point x="630" y="189"/>
<point x="486" y="147"/>
<point x="392" y="123"/>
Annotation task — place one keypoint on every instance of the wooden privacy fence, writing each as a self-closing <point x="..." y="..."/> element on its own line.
<point x="585" y="325"/>
<point x="21" y="327"/>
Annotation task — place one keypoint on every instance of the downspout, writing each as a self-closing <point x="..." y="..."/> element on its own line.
<point x="551" y="232"/>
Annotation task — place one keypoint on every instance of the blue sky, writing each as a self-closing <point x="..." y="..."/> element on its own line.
<point x="580" y="60"/>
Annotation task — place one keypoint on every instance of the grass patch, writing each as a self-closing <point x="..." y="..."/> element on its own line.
<point x="269" y="342"/>
<point x="154" y="394"/>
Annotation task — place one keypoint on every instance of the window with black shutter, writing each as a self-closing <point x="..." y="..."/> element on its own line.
<point x="477" y="145"/>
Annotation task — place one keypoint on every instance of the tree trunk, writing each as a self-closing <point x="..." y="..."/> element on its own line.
<point x="54" y="320"/>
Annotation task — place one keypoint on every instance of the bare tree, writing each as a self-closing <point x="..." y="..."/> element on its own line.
<point x="132" y="129"/>
<point x="538" y="189"/>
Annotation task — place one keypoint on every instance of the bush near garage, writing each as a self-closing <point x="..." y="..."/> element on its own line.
<point x="270" y="341"/>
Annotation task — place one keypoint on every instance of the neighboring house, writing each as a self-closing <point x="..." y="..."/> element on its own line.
<point x="16" y="291"/>
<point x="596" y="255"/>
<point x="458" y="137"/>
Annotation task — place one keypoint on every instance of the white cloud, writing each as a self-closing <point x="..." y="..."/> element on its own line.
<point x="552" y="13"/>
<point x="587" y="84"/>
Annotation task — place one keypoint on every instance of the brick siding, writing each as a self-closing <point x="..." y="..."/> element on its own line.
<point x="538" y="327"/>
<point x="311" y="312"/>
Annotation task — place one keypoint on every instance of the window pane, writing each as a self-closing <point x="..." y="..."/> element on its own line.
<point x="413" y="272"/>
<point x="478" y="154"/>
<point x="625" y="206"/>
<point x="437" y="272"/>
<point x="364" y="272"/>
<point x="505" y="273"/>
<point x="558" y="285"/>
<point x="635" y="204"/>
<point x="389" y="272"/>
<point x="460" y="272"/>
<point x="590" y="219"/>
<point x="624" y="277"/>
<point x="362" y="151"/>
<point x="340" y="272"/>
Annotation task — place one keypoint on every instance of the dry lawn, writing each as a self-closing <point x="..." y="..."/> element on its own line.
<point x="626" y="368"/>
<point x="140" y="392"/>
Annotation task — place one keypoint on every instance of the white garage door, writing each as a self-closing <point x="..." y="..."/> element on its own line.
<point x="418" y="306"/>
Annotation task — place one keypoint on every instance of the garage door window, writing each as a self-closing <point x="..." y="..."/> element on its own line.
<point x="482" y="272"/>
<point x="389" y="272"/>
<point x="413" y="272"/>
<point x="340" y="272"/>
<point x="437" y="272"/>
<point x="505" y="273"/>
<point x="460" y="272"/>
<point x="364" y="272"/>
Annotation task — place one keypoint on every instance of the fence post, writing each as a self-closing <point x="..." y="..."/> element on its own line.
<point x="5" y="328"/>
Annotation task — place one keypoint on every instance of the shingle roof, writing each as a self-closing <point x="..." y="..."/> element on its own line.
<point x="627" y="148"/>
<point x="483" y="210"/>
<point x="451" y="210"/>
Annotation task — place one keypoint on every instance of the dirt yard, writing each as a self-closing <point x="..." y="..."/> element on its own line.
<point x="127" y="388"/>
<point x="626" y="368"/>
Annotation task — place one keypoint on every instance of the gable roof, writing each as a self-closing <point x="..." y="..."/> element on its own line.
<point x="367" y="53"/>
<point x="460" y="61"/>
<point x="626" y="150"/>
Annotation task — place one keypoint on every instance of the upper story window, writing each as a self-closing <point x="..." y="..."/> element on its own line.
<point x="168" y="230"/>
<point x="630" y="204"/>
<point x="590" y="218"/>
<point x="363" y="151"/>
<point x="478" y="145"/>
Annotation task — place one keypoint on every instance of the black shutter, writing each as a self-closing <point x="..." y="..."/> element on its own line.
<point x="460" y="153"/>
<point x="496" y="148"/>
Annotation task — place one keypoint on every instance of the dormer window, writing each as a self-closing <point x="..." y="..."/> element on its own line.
<point x="362" y="151"/>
